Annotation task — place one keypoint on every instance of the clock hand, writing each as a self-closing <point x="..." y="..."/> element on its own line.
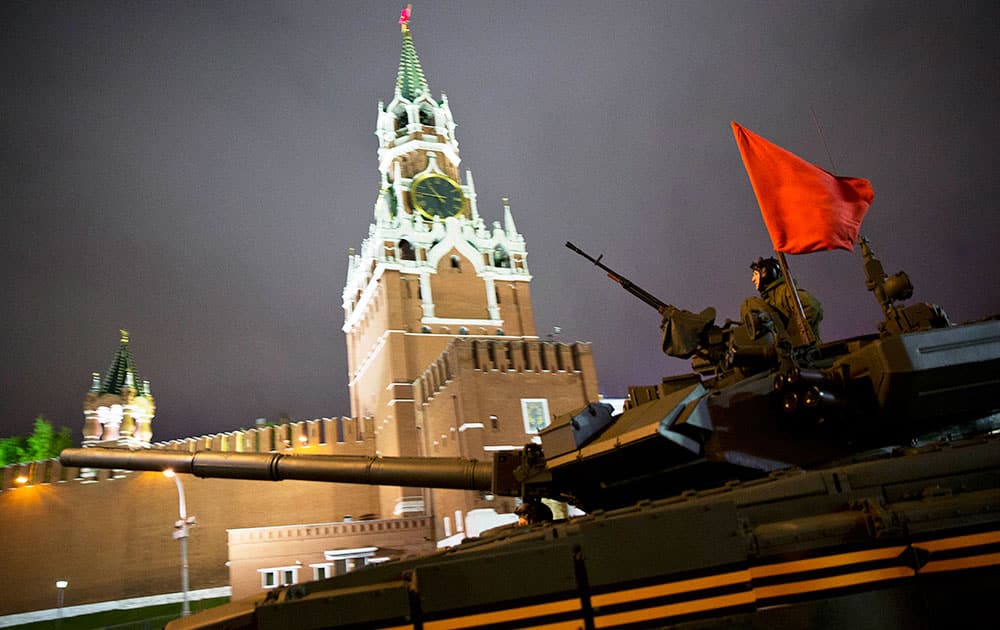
<point x="433" y="193"/>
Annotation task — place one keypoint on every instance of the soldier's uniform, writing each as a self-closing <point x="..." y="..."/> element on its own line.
<point x="776" y="299"/>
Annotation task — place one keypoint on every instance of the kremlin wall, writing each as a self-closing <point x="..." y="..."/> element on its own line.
<point x="108" y="533"/>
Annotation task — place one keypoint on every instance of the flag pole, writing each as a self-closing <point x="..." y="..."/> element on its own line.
<point x="800" y="313"/>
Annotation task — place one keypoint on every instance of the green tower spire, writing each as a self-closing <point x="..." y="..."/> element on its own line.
<point x="410" y="81"/>
<point x="122" y="372"/>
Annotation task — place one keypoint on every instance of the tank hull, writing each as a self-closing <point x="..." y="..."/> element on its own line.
<point x="904" y="539"/>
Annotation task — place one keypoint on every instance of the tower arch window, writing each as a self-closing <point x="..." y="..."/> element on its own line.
<point x="402" y="119"/>
<point x="494" y="423"/>
<point x="406" y="251"/>
<point x="456" y="263"/>
<point x="463" y="331"/>
<point x="426" y="118"/>
<point x="500" y="257"/>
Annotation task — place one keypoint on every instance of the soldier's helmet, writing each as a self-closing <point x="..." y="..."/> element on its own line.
<point x="768" y="268"/>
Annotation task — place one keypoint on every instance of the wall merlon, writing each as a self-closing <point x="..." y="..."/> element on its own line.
<point x="500" y="354"/>
<point x="517" y="358"/>
<point x="566" y="359"/>
<point x="533" y="356"/>
<point x="549" y="362"/>
<point x="482" y="357"/>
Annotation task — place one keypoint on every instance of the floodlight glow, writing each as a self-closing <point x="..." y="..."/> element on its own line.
<point x="169" y="472"/>
<point x="62" y="584"/>
<point x="21" y="479"/>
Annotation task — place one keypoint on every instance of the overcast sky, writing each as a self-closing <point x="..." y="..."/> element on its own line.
<point x="195" y="172"/>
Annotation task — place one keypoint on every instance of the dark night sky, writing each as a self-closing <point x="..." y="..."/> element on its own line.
<point x="195" y="172"/>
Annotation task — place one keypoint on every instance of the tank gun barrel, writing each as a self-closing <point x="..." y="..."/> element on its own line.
<point x="417" y="472"/>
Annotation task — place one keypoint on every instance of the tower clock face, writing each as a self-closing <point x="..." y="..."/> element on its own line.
<point x="436" y="195"/>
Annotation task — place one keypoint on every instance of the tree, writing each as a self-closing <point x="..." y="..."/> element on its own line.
<point x="43" y="443"/>
<point x="13" y="450"/>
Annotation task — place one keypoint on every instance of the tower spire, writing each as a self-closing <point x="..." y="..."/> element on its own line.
<point x="410" y="81"/>
<point x="122" y="373"/>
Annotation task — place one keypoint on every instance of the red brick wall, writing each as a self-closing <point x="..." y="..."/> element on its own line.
<point x="112" y="539"/>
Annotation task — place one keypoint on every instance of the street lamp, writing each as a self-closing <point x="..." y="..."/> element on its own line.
<point x="181" y="528"/>
<point x="60" y="595"/>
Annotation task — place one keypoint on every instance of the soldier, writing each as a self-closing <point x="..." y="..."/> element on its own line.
<point x="777" y="300"/>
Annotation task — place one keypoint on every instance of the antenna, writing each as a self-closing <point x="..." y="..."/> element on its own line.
<point x="822" y="138"/>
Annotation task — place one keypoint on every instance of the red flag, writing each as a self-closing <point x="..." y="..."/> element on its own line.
<point x="805" y="208"/>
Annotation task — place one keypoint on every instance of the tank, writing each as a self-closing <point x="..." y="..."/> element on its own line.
<point x="778" y="485"/>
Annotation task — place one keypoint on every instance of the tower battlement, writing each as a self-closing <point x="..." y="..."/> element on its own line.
<point x="502" y="355"/>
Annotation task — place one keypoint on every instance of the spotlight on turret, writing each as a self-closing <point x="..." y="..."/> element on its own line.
<point x="779" y="382"/>
<point x="898" y="287"/>
<point x="815" y="396"/>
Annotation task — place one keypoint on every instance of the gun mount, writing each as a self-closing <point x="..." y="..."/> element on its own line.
<point x="890" y="289"/>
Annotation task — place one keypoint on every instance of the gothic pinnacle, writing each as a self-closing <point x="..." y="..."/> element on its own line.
<point x="410" y="82"/>
<point x="508" y="219"/>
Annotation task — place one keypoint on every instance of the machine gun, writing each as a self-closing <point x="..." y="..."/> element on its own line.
<point x="627" y="284"/>
<point x="685" y="334"/>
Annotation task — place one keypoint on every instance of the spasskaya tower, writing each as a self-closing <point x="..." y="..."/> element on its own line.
<point x="434" y="279"/>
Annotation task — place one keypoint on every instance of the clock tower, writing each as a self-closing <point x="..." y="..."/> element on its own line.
<point x="432" y="274"/>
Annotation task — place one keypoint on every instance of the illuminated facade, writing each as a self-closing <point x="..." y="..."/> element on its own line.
<point x="118" y="410"/>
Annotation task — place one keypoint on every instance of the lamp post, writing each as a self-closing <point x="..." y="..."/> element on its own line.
<point x="60" y="597"/>
<point x="181" y="528"/>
